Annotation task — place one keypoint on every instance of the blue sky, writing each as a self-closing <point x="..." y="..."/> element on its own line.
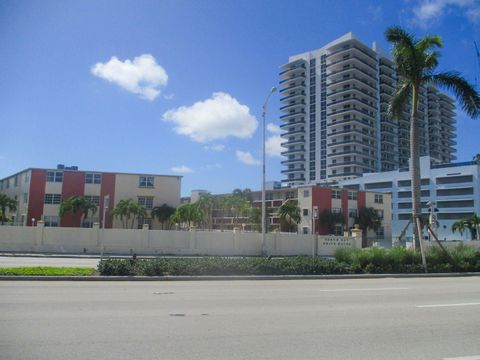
<point x="176" y="87"/>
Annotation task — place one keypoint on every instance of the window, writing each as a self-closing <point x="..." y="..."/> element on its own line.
<point x="54" y="176"/>
<point x="338" y="230"/>
<point x="380" y="233"/>
<point x="305" y="212"/>
<point x="93" y="198"/>
<point x="7" y="183"/>
<point x="53" y="199"/>
<point x="52" y="221"/>
<point x="145" y="182"/>
<point x="378" y="199"/>
<point x="93" y="178"/>
<point x="25" y="198"/>
<point x="15" y="182"/>
<point x="306" y="193"/>
<point x="380" y="214"/>
<point x="337" y="210"/>
<point x="336" y="194"/>
<point x="146" y="201"/>
<point x="145" y="222"/>
<point x="352" y="195"/>
<point x="352" y="213"/>
<point x="26" y="178"/>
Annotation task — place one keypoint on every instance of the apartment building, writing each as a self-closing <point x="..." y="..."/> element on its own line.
<point x="312" y="201"/>
<point x="39" y="193"/>
<point x="453" y="188"/>
<point x="335" y="122"/>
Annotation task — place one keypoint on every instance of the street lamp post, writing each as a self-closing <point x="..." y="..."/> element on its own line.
<point x="264" y="111"/>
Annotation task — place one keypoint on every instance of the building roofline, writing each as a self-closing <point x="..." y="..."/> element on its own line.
<point x="89" y="171"/>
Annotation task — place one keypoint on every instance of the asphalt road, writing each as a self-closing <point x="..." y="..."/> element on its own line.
<point x="431" y="318"/>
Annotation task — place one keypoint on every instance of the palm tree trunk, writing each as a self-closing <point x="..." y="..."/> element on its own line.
<point x="415" y="165"/>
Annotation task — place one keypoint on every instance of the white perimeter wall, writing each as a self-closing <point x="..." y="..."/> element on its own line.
<point x="162" y="242"/>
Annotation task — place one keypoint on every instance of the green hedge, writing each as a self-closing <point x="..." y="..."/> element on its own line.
<point x="347" y="261"/>
<point x="47" y="271"/>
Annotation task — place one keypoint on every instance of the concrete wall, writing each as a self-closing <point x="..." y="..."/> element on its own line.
<point x="160" y="242"/>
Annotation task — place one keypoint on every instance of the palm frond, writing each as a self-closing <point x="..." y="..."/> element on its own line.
<point x="467" y="96"/>
<point x="399" y="99"/>
<point x="431" y="61"/>
<point x="429" y="42"/>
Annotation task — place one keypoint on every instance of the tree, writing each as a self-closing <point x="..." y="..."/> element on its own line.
<point x="162" y="213"/>
<point x="189" y="214"/>
<point x="330" y="219"/>
<point x="75" y="204"/>
<point x="6" y="203"/>
<point x="207" y="204"/>
<point x="289" y="213"/>
<point x="460" y="226"/>
<point x="128" y="211"/>
<point x="368" y="219"/>
<point x="416" y="61"/>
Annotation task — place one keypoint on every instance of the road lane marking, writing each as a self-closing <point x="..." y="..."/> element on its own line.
<point x="472" y="357"/>
<point x="448" y="305"/>
<point x="360" y="289"/>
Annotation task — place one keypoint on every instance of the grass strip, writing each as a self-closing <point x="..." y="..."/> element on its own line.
<point x="47" y="271"/>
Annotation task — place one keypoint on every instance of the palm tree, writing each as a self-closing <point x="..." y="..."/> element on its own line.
<point x="368" y="219"/>
<point x="460" y="226"/>
<point x="207" y="203"/>
<point x="289" y="213"/>
<point x="474" y="222"/>
<point x="129" y="210"/>
<point x="75" y="204"/>
<point x="6" y="203"/>
<point x="189" y="214"/>
<point x="330" y="219"/>
<point x="162" y="213"/>
<point x="416" y="61"/>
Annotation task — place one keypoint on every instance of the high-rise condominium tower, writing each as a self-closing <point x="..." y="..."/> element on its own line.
<point x="335" y="121"/>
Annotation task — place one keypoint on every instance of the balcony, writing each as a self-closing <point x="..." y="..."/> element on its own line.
<point x="293" y="87"/>
<point x="293" y="132"/>
<point x="293" y="78"/>
<point x="292" y="69"/>
<point x="291" y="97"/>
<point x="295" y="170"/>
<point x="293" y="142"/>
<point x="293" y="161"/>
<point x="293" y="151"/>
<point x="292" y="106"/>
<point x="362" y="112"/>
<point x="293" y="123"/>
<point x="290" y="115"/>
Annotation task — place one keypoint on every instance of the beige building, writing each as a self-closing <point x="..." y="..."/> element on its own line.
<point x="39" y="193"/>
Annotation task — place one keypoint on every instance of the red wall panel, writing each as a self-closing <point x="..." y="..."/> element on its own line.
<point x="361" y="199"/>
<point x="345" y="206"/>
<point x="322" y="198"/>
<point x="107" y="188"/>
<point x="38" y="180"/>
<point x="73" y="185"/>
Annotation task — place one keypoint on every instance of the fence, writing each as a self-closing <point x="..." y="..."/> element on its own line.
<point x="41" y="239"/>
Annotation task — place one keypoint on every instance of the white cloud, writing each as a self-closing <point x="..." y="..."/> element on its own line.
<point x="182" y="169"/>
<point x="273" y="147"/>
<point x="169" y="96"/>
<point x="429" y="11"/>
<point x="246" y="158"/>
<point x="216" y="118"/>
<point x="142" y="76"/>
<point x="274" y="129"/>
<point x="216" y="147"/>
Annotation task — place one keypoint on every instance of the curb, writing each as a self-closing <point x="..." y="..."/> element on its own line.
<point x="234" y="278"/>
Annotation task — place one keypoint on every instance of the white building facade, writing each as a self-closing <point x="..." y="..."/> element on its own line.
<point x="454" y="188"/>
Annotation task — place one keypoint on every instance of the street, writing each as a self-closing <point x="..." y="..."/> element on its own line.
<point x="302" y="319"/>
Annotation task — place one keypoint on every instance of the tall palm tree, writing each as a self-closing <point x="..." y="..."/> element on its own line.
<point x="6" y="203"/>
<point x="368" y="219"/>
<point x="207" y="204"/>
<point x="289" y="213"/>
<point x="128" y="210"/>
<point x="330" y="219"/>
<point x="162" y="213"/>
<point x="416" y="61"/>
<point x="189" y="214"/>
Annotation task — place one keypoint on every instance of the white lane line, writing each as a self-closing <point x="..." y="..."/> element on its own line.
<point x="360" y="289"/>
<point x="472" y="357"/>
<point x="447" y="305"/>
